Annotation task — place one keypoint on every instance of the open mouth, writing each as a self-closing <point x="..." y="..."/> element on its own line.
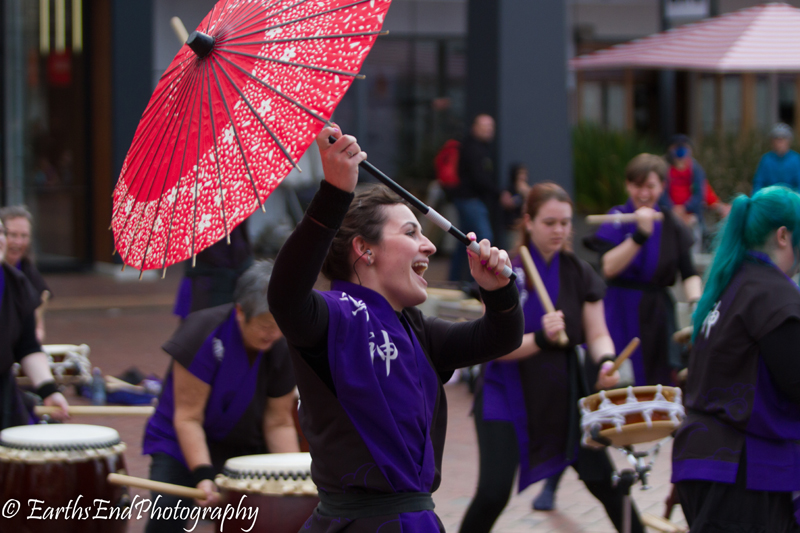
<point x="419" y="267"/>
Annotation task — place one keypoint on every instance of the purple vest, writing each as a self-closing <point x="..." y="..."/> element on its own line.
<point x="504" y="382"/>
<point x="388" y="389"/>
<point x="221" y="362"/>
<point x="732" y="403"/>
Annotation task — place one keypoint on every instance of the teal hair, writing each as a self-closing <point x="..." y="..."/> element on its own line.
<point x="749" y="225"/>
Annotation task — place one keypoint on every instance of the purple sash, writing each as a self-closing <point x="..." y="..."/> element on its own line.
<point x="503" y="388"/>
<point x="234" y="384"/>
<point x="622" y="304"/>
<point x="384" y="382"/>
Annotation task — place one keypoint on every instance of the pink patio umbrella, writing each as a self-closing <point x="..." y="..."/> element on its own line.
<point x="764" y="38"/>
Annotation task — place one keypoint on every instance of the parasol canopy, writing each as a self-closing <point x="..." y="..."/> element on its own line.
<point x="764" y="38"/>
<point x="233" y="113"/>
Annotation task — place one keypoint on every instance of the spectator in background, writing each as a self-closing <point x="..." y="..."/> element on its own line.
<point x="477" y="193"/>
<point x="686" y="182"/>
<point x="688" y="193"/>
<point x="781" y="166"/>
<point x="19" y="226"/>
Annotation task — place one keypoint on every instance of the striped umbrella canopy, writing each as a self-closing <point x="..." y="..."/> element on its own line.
<point x="764" y="38"/>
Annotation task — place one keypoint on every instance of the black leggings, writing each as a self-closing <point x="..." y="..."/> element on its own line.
<point x="499" y="459"/>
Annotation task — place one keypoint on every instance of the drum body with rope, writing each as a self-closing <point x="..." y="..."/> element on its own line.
<point x="63" y="466"/>
<point x="632" y="415"/>
<point x="278" y="485"/>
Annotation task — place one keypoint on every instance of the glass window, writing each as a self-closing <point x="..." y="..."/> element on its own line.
<point x="615" y="106"/>
<point x="410" y="103"/>
<point x="763" y="115"/>
<point x="708" y="103"/>
<point x="50" y="102"/>
<point x="592" y="102"/>
<point x="786" y="103"/>
<point x="731" y="104"/>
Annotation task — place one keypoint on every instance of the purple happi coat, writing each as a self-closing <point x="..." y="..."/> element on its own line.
<point x="539" y="394"/>
<point x="233" y="417"/>
<point x="389" y="393"/>
<point x="637" y="303"/>
<point x="732" y="404"/>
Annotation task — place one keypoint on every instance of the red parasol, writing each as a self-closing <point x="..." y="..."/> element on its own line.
<point x="235" y="110"/>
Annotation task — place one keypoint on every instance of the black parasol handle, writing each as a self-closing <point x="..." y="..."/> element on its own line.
<point x="429" y="212"/>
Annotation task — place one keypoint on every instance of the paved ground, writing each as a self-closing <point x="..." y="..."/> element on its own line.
<point x="125" y="321"/>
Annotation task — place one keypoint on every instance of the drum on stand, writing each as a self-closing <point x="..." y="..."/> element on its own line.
<point x="278" y="485"/>
<point x="64" y="466"/>
<point x="632" y="415"/>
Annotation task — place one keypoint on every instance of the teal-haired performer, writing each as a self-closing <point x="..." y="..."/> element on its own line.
<point x="736" y="458"/>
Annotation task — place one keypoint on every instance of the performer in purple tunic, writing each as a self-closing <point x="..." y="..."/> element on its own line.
<point x="640" y="261"/>
<point x="369" y="365"/>
<point x="18" y="343"/>
<point x="19" y="225"/>
<point x="229" y="392"/>
<point x="526" y="403"/>
<point x="736" y="457"/>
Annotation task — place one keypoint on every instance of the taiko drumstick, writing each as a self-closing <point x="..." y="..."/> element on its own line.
<point x="156" y="486"/>
<point x="134" y="410"/>
<point x="624" y="355"/>
<point x="618" y="217"/>
<point x="541" y="290"/>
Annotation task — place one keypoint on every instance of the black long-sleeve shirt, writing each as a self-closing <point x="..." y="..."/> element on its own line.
<point x="779" y="350"/>
<point x="302" y="314"/>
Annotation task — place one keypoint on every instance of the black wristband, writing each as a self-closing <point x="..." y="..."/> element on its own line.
<point x="502" y="299"/>
<point x="541" y="340"/>
<point x="640" y="237"/>
<point x="605" y="358"/>
<point x="46" y="389"/>
<point x="203" y="472"/>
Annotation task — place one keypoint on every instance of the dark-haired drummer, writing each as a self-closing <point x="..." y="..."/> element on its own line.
<point x="736" y="458"/>
<point x="229" y="393"/>
<point x="369" y="365"/>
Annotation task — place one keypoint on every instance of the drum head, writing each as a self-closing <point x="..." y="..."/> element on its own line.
<point x="59" y="437"/>
<point x="620" y="396"/>
<point x="632" y="415"/>
<point x="269" y="465"/>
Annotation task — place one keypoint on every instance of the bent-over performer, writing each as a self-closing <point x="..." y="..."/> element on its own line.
<point x="369" y="365"/>
<point x="229" y="392"/>
<point x="736" y="457"/>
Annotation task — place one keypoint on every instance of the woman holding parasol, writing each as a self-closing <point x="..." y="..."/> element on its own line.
<point x="526" y="402"/>
<point x="370" y="366"/>
<point x="640" y="260"/>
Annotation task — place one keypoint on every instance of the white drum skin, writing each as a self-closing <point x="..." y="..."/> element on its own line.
<point x="63" y="465"/>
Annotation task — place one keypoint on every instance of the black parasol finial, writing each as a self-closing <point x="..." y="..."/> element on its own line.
<point x="200" y="43"/>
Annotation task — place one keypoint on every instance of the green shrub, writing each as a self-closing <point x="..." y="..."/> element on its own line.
<point x="599" y="159"/>
<point x="730" y="161"/>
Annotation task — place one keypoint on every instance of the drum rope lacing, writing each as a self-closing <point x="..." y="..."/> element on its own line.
<point x="255" y="474"/>
<point x="47" y="453"/>
<point x="615" y="414"/>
